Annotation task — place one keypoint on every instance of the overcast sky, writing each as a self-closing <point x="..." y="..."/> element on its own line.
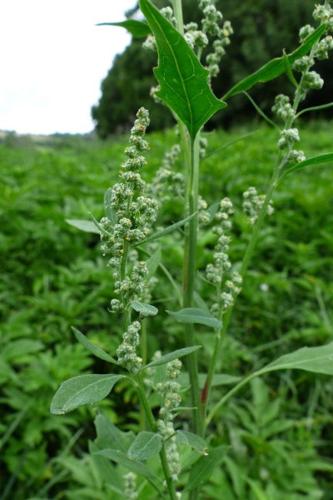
<point x="53" y="59"/>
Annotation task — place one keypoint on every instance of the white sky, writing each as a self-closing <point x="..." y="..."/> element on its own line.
<point x="52" y="61"/>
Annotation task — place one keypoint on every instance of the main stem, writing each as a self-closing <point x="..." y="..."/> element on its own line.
<point x="191" y="157"/>
<point x="152" y="425"/>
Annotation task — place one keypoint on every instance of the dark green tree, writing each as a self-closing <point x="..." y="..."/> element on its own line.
<point x="262" y="29"/>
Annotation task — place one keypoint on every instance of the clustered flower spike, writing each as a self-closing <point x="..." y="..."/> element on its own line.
<point x="130" y="487"/>
<point x="170" y="390"/>
<point x="167" y="182"/>
<point x="212" y="27"/>
<point x="309" y="80"/>
<point x="227" y="282"/>
<point x="133" y="214"/>
<point x="127" y="351"/>
<point x="253" y="202"/>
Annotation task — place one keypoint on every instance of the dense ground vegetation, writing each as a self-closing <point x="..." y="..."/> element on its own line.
<point x="54" y="277"/>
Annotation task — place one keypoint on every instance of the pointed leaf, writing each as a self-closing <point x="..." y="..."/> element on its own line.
<point x="144" y="309"/>
<point x="82" y="390"/>
<point x="310" y="359"/>
<point x="183" y="80"/>
<point x="180" y="353"/>
<point x="153" y="262"/>
<point x="194" y="441"/>
<point x="203" y="468"/>
<point x="276" y="67"/>
<point x="108" y="435"/>
<point x="109" y="212"/>
<point x="167" y="230"/>
<point x="317" y="161"/>
<point x="94" y="349"/>
<point x="137" y="467"/>
<point x="87" y="226"/>
<point x="196" y="316"/>
<point x="138" y="29"/>
<point x="145" y="446"/>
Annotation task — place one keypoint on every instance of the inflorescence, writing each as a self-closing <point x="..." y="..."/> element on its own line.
<point x="309" y="80"/>
<point x="133" y="213"/>
<point x="170" y="390"/>
<point x="227" y="282"/>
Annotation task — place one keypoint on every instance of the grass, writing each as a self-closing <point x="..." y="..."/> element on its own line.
<point x="53" y="277"/>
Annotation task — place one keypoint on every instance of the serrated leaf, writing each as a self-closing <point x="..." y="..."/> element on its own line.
<point x="183" y="80"/>
<point x="94" y="349"/>
<point x="137" y="467"/>
<point x="276" y="67"/>
<point x="180" y="353"/>
<point x="144" y="309"/>
<point x="82" y="390"/>
<point x="87" y="226"/>
<point x="202" y="469"/>
<point x="193" y="315"/>
<point x="108" y="435"/>
<point x="145" y="445"/>
<point x="196" y="442"/>
<point x="316" y="161"/>
<point x="310" y="359"/>
<point x="138" y="29"/>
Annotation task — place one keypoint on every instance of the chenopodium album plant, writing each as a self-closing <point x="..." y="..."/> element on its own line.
<point x="189" y="58"/>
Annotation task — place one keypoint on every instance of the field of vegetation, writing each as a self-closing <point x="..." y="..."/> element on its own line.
<point x="279" y="428"/>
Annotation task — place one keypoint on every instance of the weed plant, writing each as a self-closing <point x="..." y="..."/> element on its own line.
<point x="172" y="455"/>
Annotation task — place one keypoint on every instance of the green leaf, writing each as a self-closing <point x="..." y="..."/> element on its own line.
<point x="109" y="212"/>
<point x="136" y="467"/>
<point x="310" y="359"/>
<point x="94" y="349"/>
<point x="183" y="80"/>
<point x="144" y="309"/>
<point x="202" y="469"/>
<point x="196" y="316"/>
<point x="196" y="442"/>
<point x="167" y="230"/>
<point x="108" y="435"/>
<point x="276" y="67"/>
<point x="153" y="262"/>
<point x="138" y="29"/>
<point x="180" y="353"/>
<point x="87" y="226"/>
<point x="317" y="161"/>
<point x="145" y="445"/>
<point x="82" y="390"/>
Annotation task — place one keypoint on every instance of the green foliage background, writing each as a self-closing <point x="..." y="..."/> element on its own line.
<point x="262" y="29"/>
<point x="53" y="277"/>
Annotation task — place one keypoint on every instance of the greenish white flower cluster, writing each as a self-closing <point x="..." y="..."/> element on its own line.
<point x="253" y="202"/>
<point x="309" y="80"/>
<point x="127" y="351"/>
<point x="213" y="28"/>
<point x="133" y="213"/>
<point x="219" y="273"/>
<point x="130" y="487"/>
<point x="170" y="390"/>
<point x="167" y="182"/>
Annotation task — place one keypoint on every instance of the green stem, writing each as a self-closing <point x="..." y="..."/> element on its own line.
<point x="189" y="279"/>
<point x="152" y="426"/>
<point x="191" y="158"/>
